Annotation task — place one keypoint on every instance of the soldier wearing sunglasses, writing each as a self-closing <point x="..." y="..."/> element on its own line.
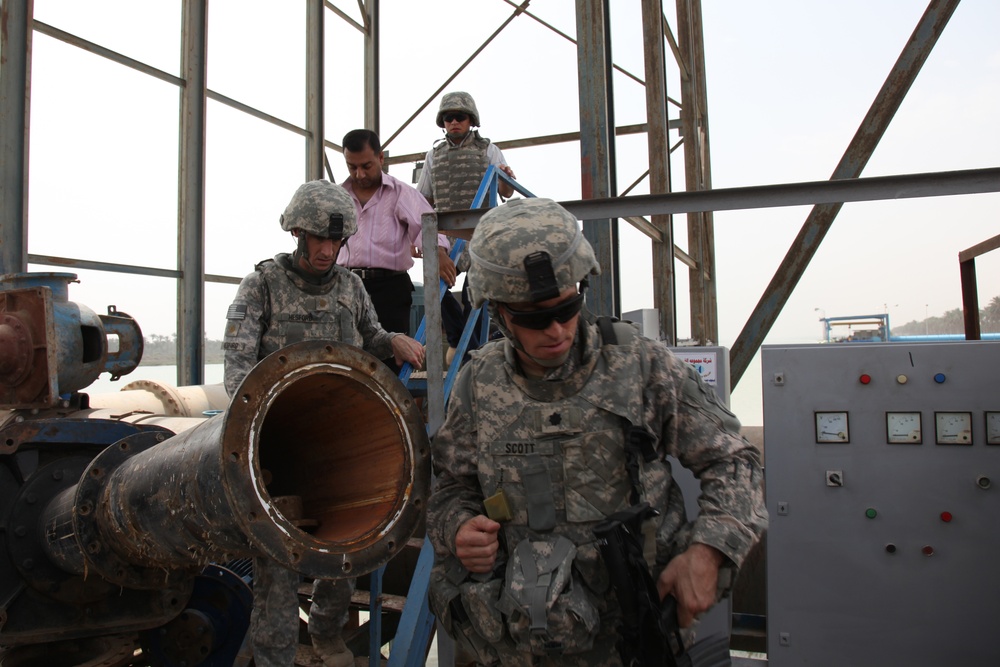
<point x="453" y="170"/>
<point x="564" y="422"/>
<point x="455" y="165"/>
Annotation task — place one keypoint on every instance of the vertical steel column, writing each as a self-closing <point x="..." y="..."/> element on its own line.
<point x="664" y="289"/>
<point x="315" y="153"/>
<point x="596" y="145"/>
<point x="372" y="47"/>
<point x="15" y="100"/>
<point x="191" y="195"/>
<point x="710" y="296"/>
<point x="691" y="123"/>
<point x="820" y="219"/>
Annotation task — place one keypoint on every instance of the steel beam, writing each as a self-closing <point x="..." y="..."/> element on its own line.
<point x="819" y="221"/>
<point x="970" y="287"/>
<point x="372" y="47"/>
<point x="191" y="194"/>
<point x="15" y="95"/>
<point x="315" y="152"/>
<point x="876" y="188"/>
<point x="597" y="146"/>
<point x="658" y="142"/>
<point x="694" y="119"/>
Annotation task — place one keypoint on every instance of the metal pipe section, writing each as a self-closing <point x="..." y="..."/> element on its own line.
<point x="322" y="422"/>
<point x="160" y="398"/>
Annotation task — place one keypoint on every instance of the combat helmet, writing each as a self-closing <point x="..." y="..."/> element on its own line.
<point x="527" y="250"/>
<point x="458" y="101"/>
<point x="323" y="209"/>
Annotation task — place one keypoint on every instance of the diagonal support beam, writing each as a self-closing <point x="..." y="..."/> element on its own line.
<point x="821" y="218"/>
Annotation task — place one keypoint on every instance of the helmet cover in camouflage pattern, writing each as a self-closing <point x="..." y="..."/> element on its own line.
<point x="314" y="203"/>
<point x="508" y="233"/>
<point x="458" y="101"/>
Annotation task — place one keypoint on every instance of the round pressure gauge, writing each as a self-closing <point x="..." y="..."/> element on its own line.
<point x="903" y="428"/>
<point x="953" y="428"/>
<point x="832" y="427"/>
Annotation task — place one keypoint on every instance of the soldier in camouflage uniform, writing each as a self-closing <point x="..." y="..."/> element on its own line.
<point x="453" y="170"/>
<point x="455" y="165"/>
<point x="304" y="296"/>
<point x="533" y="454"/>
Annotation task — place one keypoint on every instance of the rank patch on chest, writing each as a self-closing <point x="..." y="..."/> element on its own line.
<point x="558" y="420"/>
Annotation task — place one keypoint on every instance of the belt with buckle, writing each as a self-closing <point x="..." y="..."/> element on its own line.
<point x="367" y="274"/>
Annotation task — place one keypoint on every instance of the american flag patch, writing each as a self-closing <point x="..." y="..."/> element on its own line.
<point x="237" y="311"/>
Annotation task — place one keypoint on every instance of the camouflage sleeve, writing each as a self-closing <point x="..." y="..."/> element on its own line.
<point x="705" y="437"/>
<point x="457" y="496"/>
<point x="376" y="340"/>
<point x="244" y="328"/>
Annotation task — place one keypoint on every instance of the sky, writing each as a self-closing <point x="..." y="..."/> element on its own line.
<point x="788" y="84"/>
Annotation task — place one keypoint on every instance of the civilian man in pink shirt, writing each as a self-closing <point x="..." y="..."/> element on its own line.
<point x="389" y="228"/>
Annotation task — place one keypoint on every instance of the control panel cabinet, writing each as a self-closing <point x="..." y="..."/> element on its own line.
<point x="882" y="472"/>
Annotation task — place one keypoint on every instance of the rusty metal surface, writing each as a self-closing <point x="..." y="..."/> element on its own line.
<point x="108" y="522"/>
<point x="361" y="465"/>
<point x="27" y="373"/>
<point x="54" y="347"/>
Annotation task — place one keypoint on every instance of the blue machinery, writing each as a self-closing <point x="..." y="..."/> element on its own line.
<point x="111" y="518"/>
<point x="876" y="329"/>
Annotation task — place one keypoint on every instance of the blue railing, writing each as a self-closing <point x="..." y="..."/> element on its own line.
<point x="416" y="623"/>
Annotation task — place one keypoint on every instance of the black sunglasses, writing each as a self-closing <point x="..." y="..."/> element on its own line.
<point x="541" y="319"/>
<point x="460" y="117"/>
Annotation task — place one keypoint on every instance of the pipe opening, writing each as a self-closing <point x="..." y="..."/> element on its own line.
<point x="338" y="445"/>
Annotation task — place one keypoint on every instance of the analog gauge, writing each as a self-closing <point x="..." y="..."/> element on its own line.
<point x="953" y="428"/>
<point x="992" y="428"/>
<point x="903" y="428"/>
<point x="832" y="427"/>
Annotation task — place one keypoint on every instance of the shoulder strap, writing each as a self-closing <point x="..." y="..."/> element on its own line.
<point x="614" y="331"/>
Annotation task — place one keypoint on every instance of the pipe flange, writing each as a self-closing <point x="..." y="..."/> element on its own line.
<point x="382" y="513"/>
<point x="26" y="534"/>
<point x="90" y="494"/>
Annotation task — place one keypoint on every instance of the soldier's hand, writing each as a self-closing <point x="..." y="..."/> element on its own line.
<point x="446" y="267"/>
<point x="405" y="348"/>
<point x="691" y="578"/>
<point x="476" y="544"/>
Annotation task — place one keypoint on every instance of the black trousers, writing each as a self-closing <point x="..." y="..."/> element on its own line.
<point x="392" y="297"/>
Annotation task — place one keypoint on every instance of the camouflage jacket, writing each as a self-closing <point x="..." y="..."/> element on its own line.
<point x="570" y="427"/>
<point x="275" y="307"/>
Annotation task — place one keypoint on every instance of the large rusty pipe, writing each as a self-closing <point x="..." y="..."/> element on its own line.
<point x="323" y="422"/>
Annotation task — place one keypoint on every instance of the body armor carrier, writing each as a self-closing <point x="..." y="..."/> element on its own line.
<point x="458" y="171"/>
<point x="292" y="318"/>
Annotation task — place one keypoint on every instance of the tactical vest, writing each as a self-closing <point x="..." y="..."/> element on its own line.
<point x="457" y="171"/>
<point x="296" y="310"/>
<point x="559" y="455"/>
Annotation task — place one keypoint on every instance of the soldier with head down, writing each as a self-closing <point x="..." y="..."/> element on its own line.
<point x="299" y="296"/>
<point x="539" y="446"/>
